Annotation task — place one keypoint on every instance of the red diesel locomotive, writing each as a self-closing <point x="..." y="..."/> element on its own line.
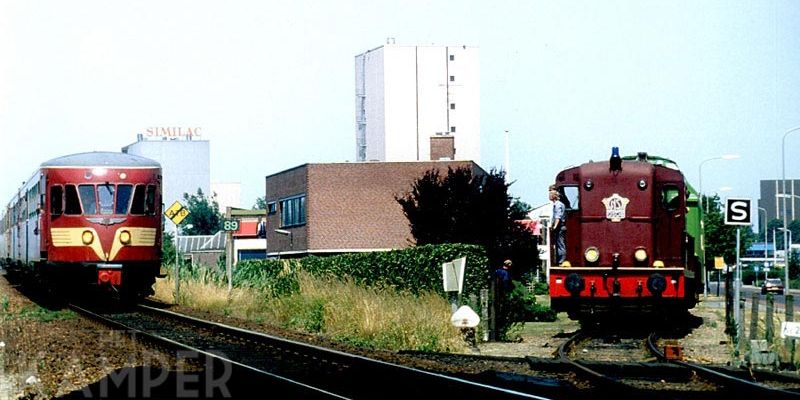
<point x="89" y="218"/>
<point x="632" y="239"/>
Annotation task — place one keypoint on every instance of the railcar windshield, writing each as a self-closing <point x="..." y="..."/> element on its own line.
<point x="105" y="199"/>
<point x="105" y="195"/>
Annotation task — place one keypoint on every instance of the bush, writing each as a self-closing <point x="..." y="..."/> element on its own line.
<point x="518" y="308"/>
<point x="417" y="269"/>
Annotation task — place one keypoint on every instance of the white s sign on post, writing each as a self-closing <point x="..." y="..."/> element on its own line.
<point x="737" y="212"/>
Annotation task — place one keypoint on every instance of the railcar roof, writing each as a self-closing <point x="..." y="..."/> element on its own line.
<point x="102" y="159"/>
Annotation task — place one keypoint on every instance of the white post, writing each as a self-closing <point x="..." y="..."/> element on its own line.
<point x="177" y="271"/>
<point x="738" y="283"/>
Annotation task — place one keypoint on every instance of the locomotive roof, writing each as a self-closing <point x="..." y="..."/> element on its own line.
<point x="102" y="159"/>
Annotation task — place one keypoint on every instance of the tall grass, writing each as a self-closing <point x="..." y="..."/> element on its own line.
<point x="367" y="317"/>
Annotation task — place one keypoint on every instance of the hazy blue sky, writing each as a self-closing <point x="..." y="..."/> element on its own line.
<point x="272" y="83"/>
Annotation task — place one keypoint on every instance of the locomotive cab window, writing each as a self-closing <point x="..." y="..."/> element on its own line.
<point x="56" y="200"/>
<point x="570" y="196"/>
<point x="670" y="197"/>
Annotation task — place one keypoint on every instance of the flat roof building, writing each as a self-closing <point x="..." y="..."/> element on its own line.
<point x="418" y="103"/>
<point x="343" y="207"/>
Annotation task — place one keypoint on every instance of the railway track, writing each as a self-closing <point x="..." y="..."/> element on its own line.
<point x="625" y="365"/>
<point x="254" y="360"/>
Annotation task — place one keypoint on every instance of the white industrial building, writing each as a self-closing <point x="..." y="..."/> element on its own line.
<point x="418" y="103"/>
<point x="185" y="165"/>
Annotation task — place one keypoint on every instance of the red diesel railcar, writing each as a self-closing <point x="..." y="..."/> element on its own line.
<point x="88" y="218"/>
<point x="630" y="239"/>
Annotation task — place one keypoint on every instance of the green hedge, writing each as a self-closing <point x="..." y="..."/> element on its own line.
<point x="415" y="269"/>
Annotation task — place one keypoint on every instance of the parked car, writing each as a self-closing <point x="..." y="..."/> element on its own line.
<point x="772" y="285"/>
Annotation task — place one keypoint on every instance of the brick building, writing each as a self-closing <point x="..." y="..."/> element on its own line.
<point x="343" y="207"/>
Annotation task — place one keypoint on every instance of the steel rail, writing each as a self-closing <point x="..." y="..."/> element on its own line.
<point x="748" y="387"/>
<point x="293" y="386"/>
<point x="386" y="378"/>
<point x="396" y="372"/>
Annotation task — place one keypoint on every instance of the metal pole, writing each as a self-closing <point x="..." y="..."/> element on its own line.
<point x="177" y="271"/>
<point x="229" y="260"/>
<point x="508" y="159"/>
<point x="229" y="254"/>
<point x="785" y="223"/>
<point x="738" y="283"/>
<point x="702" y="231"/>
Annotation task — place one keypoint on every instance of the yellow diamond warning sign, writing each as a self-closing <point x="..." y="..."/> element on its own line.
<point x="177" y="212"/>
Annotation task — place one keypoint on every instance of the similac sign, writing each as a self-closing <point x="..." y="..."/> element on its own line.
<point x="173" y="131"/>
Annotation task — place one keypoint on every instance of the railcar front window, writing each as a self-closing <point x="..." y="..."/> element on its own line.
<point x="56" y="200"/>
<point x="150" y="200"/>
<point x="123" y="199"/>
<point x="88" y="199"/>
<point x="72" y="201"/>
<point x="137" y="205"/>
<point x="105" y="193"/>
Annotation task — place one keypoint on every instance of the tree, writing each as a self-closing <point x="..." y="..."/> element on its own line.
<point x="462" y="208"/>
<point x="261" y="203"/>
<point x="204" y="216"/>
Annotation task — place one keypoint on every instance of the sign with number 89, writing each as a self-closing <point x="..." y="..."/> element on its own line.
<point x="229" y="225"/>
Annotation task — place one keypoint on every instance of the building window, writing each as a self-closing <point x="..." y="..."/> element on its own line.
<point x="293" y="211"/>
<point x="452" y="106"/>
<point x="272" y="208"/>
<point x="452" y="129"/>
<point x="452" y="57"/>
<point x="452" y="78"/>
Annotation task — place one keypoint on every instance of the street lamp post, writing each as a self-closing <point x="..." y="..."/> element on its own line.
<point x="286" y="233"/>
<point x="783" y="191"/>
<point x="786" y="257"/>
<point x="765" y="244"/>
<point x="702" y="224"/>
<point x="785" y="229"/>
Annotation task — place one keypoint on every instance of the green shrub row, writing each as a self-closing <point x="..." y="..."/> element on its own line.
<point x="415" y="269"/>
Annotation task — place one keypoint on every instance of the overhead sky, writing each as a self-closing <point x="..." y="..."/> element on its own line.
<point x="271" y="84"/>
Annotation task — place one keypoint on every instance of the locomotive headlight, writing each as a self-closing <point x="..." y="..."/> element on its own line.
<point x="87" y="237"/>
<point x="656" y="284"/>
<point x="574" y="284"/>
<point x="640" y="255"/>
<point x="591" y="254"/>
<point x="125" y="237"/>
<point x="642" y="184"/>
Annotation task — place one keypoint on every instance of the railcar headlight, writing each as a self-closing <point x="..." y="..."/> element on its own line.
<point x="591" y="254"/>
<point x="642" y="184"/>
<point x="125" y="237"/>
<point x="87" y="237"/>
<point x="640" y="255"/>
<point x="588" y="185"/>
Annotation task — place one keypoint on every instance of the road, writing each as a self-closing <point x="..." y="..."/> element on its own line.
<point x="748" y="290"/>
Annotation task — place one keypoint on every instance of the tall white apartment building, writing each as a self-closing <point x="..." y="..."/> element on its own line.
<point x="418" y="103"/>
